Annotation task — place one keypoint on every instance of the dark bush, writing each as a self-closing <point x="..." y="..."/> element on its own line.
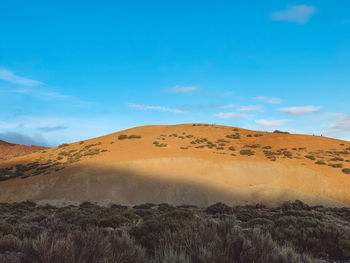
<point x="218" y="208"/>
<point x="346" y="170"/>
<point x="247" y="152"/>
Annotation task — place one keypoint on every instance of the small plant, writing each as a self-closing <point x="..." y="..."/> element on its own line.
<point x="134" y="137"/>
<point x="218" y="208"/>
<point x="346" y="170"/>
<point x="122" y="137"/>
<point x="311" y="157"/>
<point x="231" y="148"/>
<point x="281" y="132"/>
<point x="288" y="154"/>
<point x="320" y="162"/>
<point x="63" y="145"/>
<point x="336" y="165"/>
<point x="158" y="144"/>
<point x="246" y="152"/>
<point x="233" y="136"/>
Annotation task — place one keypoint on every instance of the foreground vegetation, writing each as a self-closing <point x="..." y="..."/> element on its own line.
<point x="292" y="232"/>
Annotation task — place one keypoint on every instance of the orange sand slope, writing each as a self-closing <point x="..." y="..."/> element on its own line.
<point x="184" y="164"/>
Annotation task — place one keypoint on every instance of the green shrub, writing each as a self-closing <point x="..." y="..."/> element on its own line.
<point x="281" y="132"/>
<point x="267" y="147"/>
<point x="218" y="208"/>
<point x="158" y="144"/>
<point x="234" y="136"/>
<point x="260" y="222"/>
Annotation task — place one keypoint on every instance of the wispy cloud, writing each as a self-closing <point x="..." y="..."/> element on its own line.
<point x="270" y="123"/>
<point x="299" y="14"/>
<point x="230" y="115"/>
<point x="9" y="76"/>
<point x="228" y="106"/>
<point x="249" y="108"/>
<point x="301" y="110"/>
<point x="342" y="125"/>
<point x="51" y="128"/>
<point x="270" y="100"/>
<point x="156" y="108"/>
<point x="181" y="89"/>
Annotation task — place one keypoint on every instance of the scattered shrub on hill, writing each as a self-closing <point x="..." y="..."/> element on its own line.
<point x="63" y="145"/>
<point x="281" y="132"/>
<point x="232" y="148"/>
<point x="158" y="144"/>
<point x="267" y="147"/>
<point x="124" y="137"/>
<point x="320" y="162"/>
<point x="288" y="154"/>
<point x="247" y="152"/>
<point x="199" y="141"/>
<point x="346" y="170"/>
<point x="311" y="157"/>
<point x="233" y="136"/>
<point x="336" y="165"/>
<point x="336" y="159"/>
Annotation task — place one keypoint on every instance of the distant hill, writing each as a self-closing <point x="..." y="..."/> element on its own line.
<point x="10" y="150"/>
<point x="196" y="164"/>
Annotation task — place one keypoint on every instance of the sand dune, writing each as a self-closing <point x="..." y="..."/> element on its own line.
<point x="186" y="164"/>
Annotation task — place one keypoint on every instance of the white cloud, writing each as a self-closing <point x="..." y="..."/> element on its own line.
<point x="249" y="108"/>
<point x="270" y="123"/>
<point x="300" y="14"/>
<point x="182" y="89"/>
<point x="228" y="106"/>
<point x="270" y="100"/>
<point x="9" y="76"/>
<point x="342" y="125"/>
<point x="230" y="115"/>
<point x="301" y="110"/>
<point x="157" y="108"/>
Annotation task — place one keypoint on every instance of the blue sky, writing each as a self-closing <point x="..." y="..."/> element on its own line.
<point x="71" y="70"/>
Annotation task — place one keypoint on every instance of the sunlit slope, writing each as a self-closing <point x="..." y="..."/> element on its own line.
<point x="185" y="164"/>
<point x="10" y="150"/>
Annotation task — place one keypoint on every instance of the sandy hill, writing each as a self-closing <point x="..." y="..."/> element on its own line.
<point x="10" y="150"/>
<point x="184" y="164"/>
